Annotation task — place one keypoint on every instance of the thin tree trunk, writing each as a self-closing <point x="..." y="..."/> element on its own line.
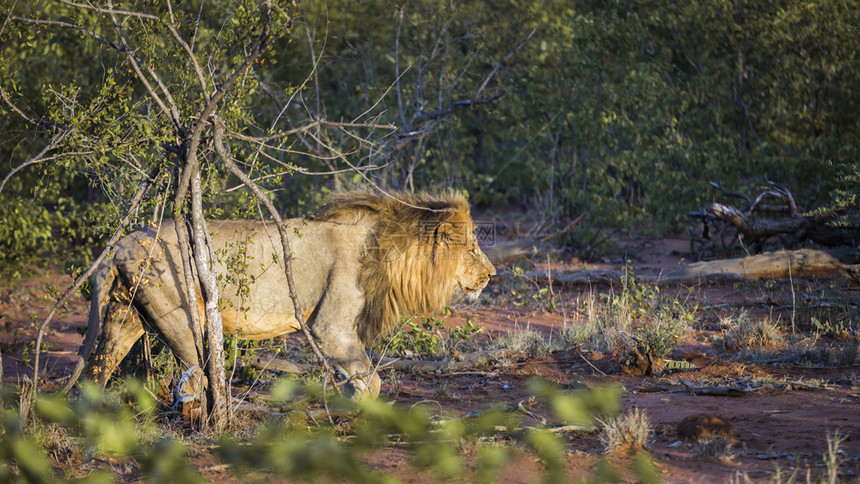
<point x="182" y="240"/>
<point x="204" y="257"/>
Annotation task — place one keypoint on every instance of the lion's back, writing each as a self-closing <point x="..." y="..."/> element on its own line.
<point x="249" y="264"/>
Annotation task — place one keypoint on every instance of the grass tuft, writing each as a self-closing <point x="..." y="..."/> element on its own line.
<point x="744" y="334"/>
<point x="630" y="430"/>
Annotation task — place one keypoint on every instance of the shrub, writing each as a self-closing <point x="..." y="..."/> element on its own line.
<point x="630" y="430"/>
<point x="743" y="334"/>
<point x="427" y="338"/>
<point x="120" y="427"/>
<point x="638" y="318"/>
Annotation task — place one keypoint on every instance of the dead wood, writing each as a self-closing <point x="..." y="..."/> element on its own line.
<point x="726" y="228"/>
<point x="714" y="391"/>
<point x="279" y="364"/>
<point x="783" y="263"/>
<point x="796" y="226"/>
<point x="467" y="361"/>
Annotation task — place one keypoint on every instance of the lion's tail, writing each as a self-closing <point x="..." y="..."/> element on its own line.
<point x="105" y="277"/>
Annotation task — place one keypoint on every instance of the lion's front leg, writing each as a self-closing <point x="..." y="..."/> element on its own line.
<point x="347" y="352"/>
<point x="333" y="325"/>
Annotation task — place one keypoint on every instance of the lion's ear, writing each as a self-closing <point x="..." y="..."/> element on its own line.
<point x="444" y="234"/>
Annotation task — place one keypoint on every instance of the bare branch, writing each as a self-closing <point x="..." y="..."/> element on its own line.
<point x="111" y="11"/>
<point x="397" y="63"/>
<point x="376" y="185"/>
<point x="179" y="40"/>
<point x="55" y="141"/>
<point x="15" y="108"/>
<point x="457" y="106"/>
<point x="227" y="159"/>
<point x="173" y="111"/>
<point x="499" y="64"/>
<point x="728" y="193"/>
<point x="204" y="256"/>
<point x="307" y="128"/>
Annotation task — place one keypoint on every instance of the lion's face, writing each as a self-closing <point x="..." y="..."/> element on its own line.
<point x="471" y="267"/>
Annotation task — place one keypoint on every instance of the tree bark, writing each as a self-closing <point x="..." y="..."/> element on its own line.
<point x="204" y="255"/>
<point x="185" y="251"/>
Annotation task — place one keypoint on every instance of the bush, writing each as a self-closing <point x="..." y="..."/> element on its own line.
<point x="743" y="334"/>
<point x="629" y="431"/>
<point x="637" y="318"/>
<point x="121" y="426"/>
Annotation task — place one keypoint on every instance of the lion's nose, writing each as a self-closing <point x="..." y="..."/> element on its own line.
<point x="492" y="271"/>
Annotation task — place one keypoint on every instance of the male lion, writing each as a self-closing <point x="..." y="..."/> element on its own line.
<point x="363" y="260"/>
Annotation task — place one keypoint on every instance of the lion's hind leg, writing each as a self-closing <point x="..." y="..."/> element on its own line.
<point x="121" y="328"/>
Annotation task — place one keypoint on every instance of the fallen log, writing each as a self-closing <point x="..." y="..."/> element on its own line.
<point x="713" y="391"/>
<point x="783" y="263"/>
<point x="467" y="362"/>
<point x="279" y="364"/>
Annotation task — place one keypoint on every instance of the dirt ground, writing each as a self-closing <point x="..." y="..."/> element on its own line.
<point x="780" y="428"/>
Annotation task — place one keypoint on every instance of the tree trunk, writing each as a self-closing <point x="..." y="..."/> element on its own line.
<point x="185" y="251"/>
<point x="204" y="256"/>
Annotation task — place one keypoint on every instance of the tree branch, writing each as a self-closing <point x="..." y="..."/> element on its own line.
<point x="227" y="159"/>
<point x="457" y="106"/>
<point x="55" y="141"/>
<point x="67" y="25"/>
<point x="499" y="64"/>
<point x="307" y="128"/>
<point x="172" y="112"/>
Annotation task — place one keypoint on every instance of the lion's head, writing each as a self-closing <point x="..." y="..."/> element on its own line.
<point x="420" y="250"/>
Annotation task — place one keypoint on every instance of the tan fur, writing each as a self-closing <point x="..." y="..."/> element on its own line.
<point x="360" y="263"/>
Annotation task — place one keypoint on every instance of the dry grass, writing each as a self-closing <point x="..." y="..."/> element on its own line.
<point x="630" y="430"/>
<point x="833" y="457"/>
<point x="527" y="342"/>
<point x="719" y="448"/>
<point x="608" y="324"/>
<point x="744" y="334"/>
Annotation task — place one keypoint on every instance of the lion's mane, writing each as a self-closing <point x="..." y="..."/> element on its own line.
<point x="406" y="267"/>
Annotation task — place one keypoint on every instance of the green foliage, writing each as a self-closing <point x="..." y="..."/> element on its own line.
<point x="617" y="112"/>
<point x="465" y="331"/>
<point x="427" y="338"/>
<point x="538" y="296"/>
<point x="121" y="426"/>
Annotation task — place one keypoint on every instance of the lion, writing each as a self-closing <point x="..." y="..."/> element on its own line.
<point x="358" y="264"/>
